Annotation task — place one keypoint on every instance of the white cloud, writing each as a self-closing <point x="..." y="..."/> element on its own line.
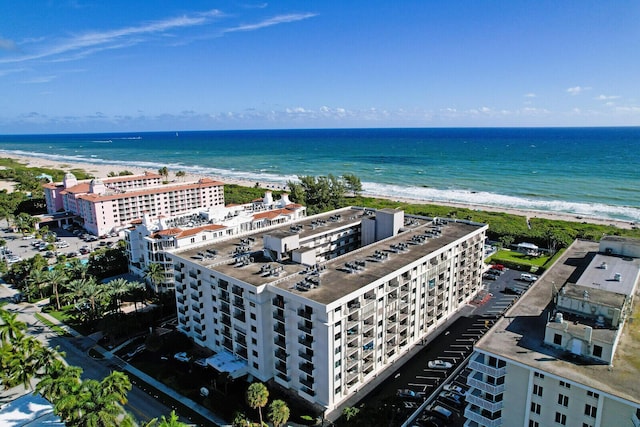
<point x="577" y="90"/>
<point x="606" y="97"/>
<point x="38" y="80"/>
<point x="530" y="95"/>
<point x="276" y="20"/>
<point x="91" y="42"/>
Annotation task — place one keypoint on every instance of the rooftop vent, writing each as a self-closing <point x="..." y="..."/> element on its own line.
<point x="617" y="277"/>
<point x="603" y="265"/>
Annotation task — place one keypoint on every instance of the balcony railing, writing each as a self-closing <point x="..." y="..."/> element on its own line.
<point x="486" y="387"/>
<point x="486" y="369"/>
<point x="304" y="355"/>
<point x="484" y="404"/>
<point x="472" y="415"/>
<point x="305" y="382"/>
<point x="306" y="368"/>
<point x="304" y="328"/>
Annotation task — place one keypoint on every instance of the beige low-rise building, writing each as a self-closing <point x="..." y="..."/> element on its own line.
<point x="567" y="353"/>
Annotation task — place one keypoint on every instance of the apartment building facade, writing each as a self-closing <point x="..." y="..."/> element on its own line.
<point x="312" y="308"/>
<point x="565" y="355"/>
<point x="102" y="206"/>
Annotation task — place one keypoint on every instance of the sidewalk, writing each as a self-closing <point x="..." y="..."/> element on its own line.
<point x="196" y="407"/>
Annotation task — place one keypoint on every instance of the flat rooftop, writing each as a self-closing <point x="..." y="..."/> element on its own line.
<point x="519" y="335"/>
<point x="334" y="280"/>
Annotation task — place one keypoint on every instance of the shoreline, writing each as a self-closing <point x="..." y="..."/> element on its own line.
<point x="103" y="169"/>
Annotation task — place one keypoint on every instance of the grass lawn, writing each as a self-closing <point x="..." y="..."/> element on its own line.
<point x="57" y="329"/>
<point x="522" y="261"/>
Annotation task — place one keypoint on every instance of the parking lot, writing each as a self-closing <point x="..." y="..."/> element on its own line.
<point x="80" y="244"/>
<point x="419" y="388"/>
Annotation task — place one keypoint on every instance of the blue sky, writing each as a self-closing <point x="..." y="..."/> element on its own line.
<point x="93" y="66"/>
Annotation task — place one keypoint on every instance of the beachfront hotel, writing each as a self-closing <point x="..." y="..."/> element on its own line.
<point x="148" y="239"/>
<point x="111" y="204"/>
<point x="322" y="305"/>
<point x="567" y="353"/>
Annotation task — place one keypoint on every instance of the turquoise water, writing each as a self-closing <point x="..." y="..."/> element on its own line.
<point x="583" y="171"/>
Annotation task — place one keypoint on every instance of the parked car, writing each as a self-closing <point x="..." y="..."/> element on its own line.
<point x="512" y="290"/>
<point x="407" y="393"/>
<point x="439" y="364"/>
<point x="182" y="356"/>
<point x="489" y="276"/>
<point x="430" y="421"/>
<point x="498" y="267"/>
<point x="455" y="389"/>
<point x="528" y="277"/>
<point x="451" y="399"/>
<point x="439" y="412"/>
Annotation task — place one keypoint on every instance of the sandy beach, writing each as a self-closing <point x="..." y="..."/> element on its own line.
<point x="103" y="170"/>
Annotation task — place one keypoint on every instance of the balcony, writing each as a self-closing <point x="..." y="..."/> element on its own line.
<point x="237" y="302"/>
<point x="476" y="381"/>
<point x="281" y="367"/>
<point x="306" y="356"/>
<point x="471" y="413"/>
<point x="305" y="382"/>
<point x="306" y="340"/>
<point x="304" y="313"/>
<point x="278" y="316"/>
<point x="279" y="328"/>
<point x="304" y="328"/>
<point x="281" y="354"/>
<point x="486" y="369"/>
<point x="280" y="342"/>
<point x="306" y="368"/>
<point x="476" y="398"/>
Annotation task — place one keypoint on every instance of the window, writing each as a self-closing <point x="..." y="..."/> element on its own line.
<point x="254" y="341"/>
<point x="557" y="339"/>
<point x="561" y="419"/>
<point x="535" y="408"/>
<point x="597" y="351"/>
<point x="538" y="375"/>
<point x="586" y="425"/>
<point x="563" y="400"/>
<point x="534" y="423"/>
<point x="590" y="410"/>
<point x="593" y="394"/>
<point x="565" y="384"/>
<point x="537" y="390"/>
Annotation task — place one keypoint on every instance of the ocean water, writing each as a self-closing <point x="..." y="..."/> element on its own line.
<point x="582" y="171"/>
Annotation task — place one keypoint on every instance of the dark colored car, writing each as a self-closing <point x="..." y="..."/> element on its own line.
<point x="511" y="290"/>
<point x="489" y="276"/>
<point x="451" y="399"/>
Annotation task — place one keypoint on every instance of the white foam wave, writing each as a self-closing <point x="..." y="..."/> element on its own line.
<point x="475" y="200"/>
<point x="479" y="199"/>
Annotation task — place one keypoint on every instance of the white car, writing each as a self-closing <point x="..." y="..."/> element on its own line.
<point x="439" y="364"/>
<point x="455" y="389"/>
<point x="182" y="356"/>
<point x="528" y="277"/>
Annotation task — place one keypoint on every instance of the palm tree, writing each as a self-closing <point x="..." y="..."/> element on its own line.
<point x="155" y="274"/>
<point x="136" y="290"/>
<point x="116" y="289"/>
<point x="75" y="289"/>
<point x="11" y="329"/>
<point x="257" y="397"/>
<point x="76" y="269"/>
<point x="180" y="174"/>
<point x="172" y="421"/>
<point x="59" y="380"/>
<point x="164" y="172"/>
<point x="56" y="278"/>
<point x="278" y="412"/>
<point x="37" y="280"/>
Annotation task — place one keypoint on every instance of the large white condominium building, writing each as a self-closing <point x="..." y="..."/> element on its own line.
<point x="322" y="305"/>
<point x="102" y="206"/>
<point x="149" y="239"/>
<point x="568" y="352"/>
